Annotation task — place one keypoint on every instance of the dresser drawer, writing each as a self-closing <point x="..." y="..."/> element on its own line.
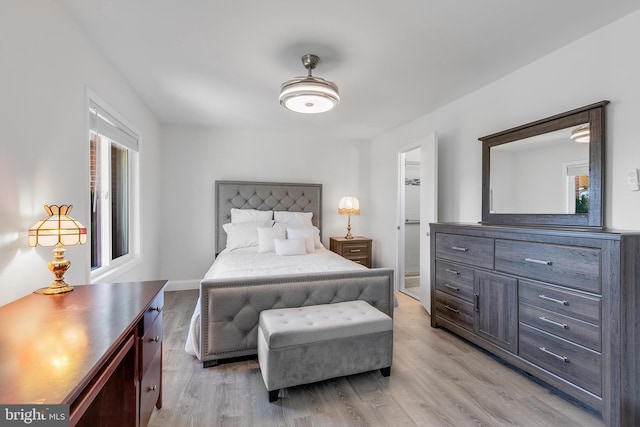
<point x="152" y="311"/>
<point x="572" y="362"/>
<point x="150" y="389"/>
<point x="567" y="303"/>
<point x="151" y="344"/>
<point x="454" y="310"/>
<point x="455" y="279"/>
<point x="572" y="266"/>
<point x="583" y="333"/>
<point x="470" y="250"/>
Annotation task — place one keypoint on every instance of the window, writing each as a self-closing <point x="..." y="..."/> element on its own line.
<point x="113" y="170"/>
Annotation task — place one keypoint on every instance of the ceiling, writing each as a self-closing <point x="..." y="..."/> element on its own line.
<point x="220" y="63"/>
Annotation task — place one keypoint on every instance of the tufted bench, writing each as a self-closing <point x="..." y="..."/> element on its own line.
<point x="313" y="343"/>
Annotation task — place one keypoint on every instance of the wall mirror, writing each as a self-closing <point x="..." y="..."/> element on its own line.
<point x="548" y="172"/>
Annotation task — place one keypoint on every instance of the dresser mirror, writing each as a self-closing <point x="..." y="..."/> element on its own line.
<point x="548" y="172"/>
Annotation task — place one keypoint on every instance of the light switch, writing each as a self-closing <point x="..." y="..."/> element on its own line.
<point x="632" y="180"/>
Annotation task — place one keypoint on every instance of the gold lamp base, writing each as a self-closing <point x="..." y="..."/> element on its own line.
<point x="348" y="236"/>
<point x="58" y="266"/>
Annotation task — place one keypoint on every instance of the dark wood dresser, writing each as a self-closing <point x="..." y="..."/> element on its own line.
<point x="561" y="304"/>
<point x="97" y="349"/>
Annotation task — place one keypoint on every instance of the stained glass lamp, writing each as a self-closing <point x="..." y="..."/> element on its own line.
<point x="58" y="229"/>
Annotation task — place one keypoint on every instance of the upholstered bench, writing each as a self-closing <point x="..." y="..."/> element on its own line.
<point x="313" y="343"/>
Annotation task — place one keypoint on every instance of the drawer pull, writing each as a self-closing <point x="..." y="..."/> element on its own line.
<point x="455" y="288"/>
<point x="537" y="261"/>
<point x="156" y="339"/>
<point x="153" y="388"/>
<point x="553" y="322"/>
<point x="452" y="309"/>
<point x="155" y="309"/>
<point x="458" y="248"/>
<point x="476" y="303"/>
<point x="544" y="297"/>
<point x="355" y="251"/>
<point x="557" y="356"/>
<point x="448" y="270"/>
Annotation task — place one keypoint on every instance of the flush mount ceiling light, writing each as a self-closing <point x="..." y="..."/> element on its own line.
<point x="309" y="94"/>
<point x="581" y="134"/>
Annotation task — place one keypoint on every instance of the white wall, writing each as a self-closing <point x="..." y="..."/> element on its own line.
<point x="47" y="63"/>
<point x="194" y="158"/>
<point x="600" y="66"/>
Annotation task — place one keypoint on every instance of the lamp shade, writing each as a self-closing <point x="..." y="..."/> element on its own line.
<point x="349" y="205"/>
<point x="581" y="134"/>
<point x="57" y="227"/>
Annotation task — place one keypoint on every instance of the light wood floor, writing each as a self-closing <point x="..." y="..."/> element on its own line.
<point x="436" y="380"/>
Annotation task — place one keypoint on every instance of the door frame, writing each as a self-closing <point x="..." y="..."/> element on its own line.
<point x="428" y="211"/>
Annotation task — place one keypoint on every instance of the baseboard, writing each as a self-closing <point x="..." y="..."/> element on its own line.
<point x="182" y="285"/>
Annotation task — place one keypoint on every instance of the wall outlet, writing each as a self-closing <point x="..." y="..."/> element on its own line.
<point x="632" y="180"/>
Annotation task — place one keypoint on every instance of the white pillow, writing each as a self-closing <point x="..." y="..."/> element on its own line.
<point x="286" y="217"/>
<point x="267" y="235"/>
<point x="250" y="215"/>
<point x="307" y="234"/>
<point x="288" y="247"/>
<point x="243" y="234"/>
<point x="316" y="233"/>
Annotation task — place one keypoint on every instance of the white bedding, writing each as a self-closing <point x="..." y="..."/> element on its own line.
<point x="248" y="262"/>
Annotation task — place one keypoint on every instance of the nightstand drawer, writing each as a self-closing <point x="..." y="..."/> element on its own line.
<point x="357" y="249"/>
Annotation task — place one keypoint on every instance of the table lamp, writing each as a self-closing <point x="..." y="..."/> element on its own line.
<point x="349" y="205"/>
<point x="57" y="229"/>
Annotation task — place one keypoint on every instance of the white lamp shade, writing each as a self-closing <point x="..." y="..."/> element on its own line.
<point x="349" y="205"/>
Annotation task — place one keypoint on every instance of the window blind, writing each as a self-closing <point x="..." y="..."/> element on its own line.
<point x="108" y="126"/>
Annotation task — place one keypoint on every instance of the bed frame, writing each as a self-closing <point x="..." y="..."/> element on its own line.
<point x="230" y="308"/>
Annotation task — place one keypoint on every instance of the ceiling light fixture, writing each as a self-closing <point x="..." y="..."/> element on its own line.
<point x="581" y="134"/>
<point x="309" y="94"/>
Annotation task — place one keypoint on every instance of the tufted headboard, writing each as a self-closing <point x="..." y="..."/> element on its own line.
<point x="264" y="196"/>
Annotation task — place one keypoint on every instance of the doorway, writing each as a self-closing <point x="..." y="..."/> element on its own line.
<point x="417" y="207"/>
<point x="411" y="283"/>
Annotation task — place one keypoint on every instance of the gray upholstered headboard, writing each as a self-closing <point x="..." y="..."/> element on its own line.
<point x="264" y="196"/>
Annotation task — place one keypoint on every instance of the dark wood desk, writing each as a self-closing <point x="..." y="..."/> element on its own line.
<point x="97" y="349"/>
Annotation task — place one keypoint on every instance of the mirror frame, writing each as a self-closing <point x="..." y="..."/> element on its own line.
<point x="592" y="114"/>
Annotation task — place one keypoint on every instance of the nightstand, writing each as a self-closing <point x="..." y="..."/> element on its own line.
<point x="357" y="249"/>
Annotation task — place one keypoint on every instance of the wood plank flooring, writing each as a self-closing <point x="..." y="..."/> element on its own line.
<point x="437" y="379"/>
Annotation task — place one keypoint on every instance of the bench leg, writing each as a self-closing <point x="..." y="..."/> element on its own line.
<point x="385" y="371"/>
<point x="273" y="395"/>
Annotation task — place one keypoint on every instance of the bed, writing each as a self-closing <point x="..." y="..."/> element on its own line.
<point x="246" y="278"/>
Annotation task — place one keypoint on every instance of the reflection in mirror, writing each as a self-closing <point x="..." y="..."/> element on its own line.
<point x="543" y="174"/>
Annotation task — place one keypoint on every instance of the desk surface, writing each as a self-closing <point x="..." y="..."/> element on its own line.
<point x="51" y="346"/>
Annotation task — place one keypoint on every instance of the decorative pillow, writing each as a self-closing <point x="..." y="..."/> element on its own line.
<point x="267" y="235"/>
<point x="316" y="233"/>
<point x="307" y="234"/>
<point x="286" y="217"/>
<point x="250" y="215"/>
<point x="288" y="247"/>
<point x="243" y="234"/>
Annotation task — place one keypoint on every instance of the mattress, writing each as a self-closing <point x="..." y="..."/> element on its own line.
<point x="248" y="262"/>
